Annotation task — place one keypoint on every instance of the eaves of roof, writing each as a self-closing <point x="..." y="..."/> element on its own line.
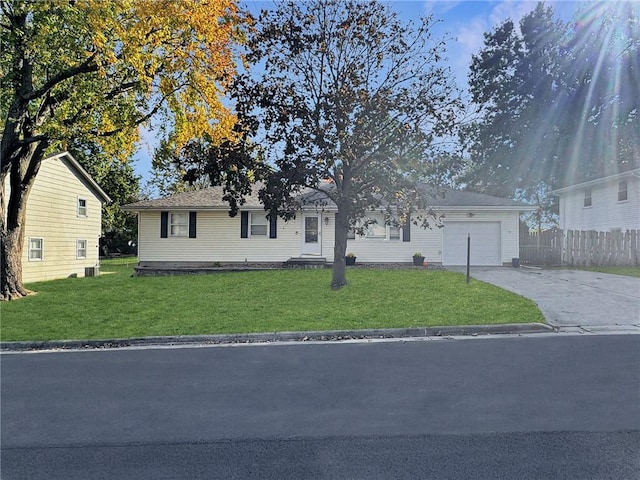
<point x="596" y="181"/>
<point x="211" y="199"/>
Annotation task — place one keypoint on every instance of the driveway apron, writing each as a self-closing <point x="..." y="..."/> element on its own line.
<point x="572" y="297"/>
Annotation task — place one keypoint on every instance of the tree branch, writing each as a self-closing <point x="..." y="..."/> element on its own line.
<point x="88" y="66"/>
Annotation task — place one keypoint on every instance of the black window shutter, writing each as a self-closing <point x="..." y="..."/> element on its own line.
<point x="244" y="224"/>
<point x="164" y="224"/>
<point x="192" y="224"/>
<point x="406" y="230"/>
<point x="273" y="227"/>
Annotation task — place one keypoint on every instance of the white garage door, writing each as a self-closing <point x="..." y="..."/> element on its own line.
<point x="485" y="243"/>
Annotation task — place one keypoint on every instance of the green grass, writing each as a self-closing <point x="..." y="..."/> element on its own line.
<point x="627" y="271"/>
<point x="117" y="305"/>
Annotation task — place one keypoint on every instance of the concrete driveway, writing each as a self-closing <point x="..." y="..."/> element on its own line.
<point x="572" y="297"/>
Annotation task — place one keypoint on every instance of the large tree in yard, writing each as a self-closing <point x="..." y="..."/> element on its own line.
<point x="95" y="70"/>
<point x="350" y="102"/>
<point x="556" y="104"/>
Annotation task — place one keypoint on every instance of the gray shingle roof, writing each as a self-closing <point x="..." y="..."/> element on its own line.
<point x="461" y="198"/>
<point x="211" y="199"/>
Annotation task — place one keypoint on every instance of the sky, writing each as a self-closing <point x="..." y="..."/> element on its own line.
<point x="464" y="22"/>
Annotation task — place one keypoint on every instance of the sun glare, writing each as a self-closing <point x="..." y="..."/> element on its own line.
<point x="611" y="33"/>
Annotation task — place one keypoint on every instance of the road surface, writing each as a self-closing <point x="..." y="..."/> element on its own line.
<point x="542" y="406"/>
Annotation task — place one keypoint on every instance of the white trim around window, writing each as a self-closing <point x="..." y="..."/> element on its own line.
<point x="382" y="231"/>
<point x="258" y="225"/>
<point x="82" y="209"/>
<point x="36" y="249"/>
<point x="81" y="249"/>
<point x="623" y="191"/>
<point x="178" y="224"/>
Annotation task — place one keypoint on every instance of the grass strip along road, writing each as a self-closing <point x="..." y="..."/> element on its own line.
<point x="118" y="305"/>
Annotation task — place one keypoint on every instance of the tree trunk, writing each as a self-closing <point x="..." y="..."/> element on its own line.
<point x="11" y="286"/>
<point x="22" y="174"/>
<point x="339" y="250"/>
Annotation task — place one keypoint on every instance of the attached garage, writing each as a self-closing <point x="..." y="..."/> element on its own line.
<point x="486" y="248"/>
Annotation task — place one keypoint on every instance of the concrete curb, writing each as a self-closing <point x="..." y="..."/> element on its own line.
<point x="331" y="335"/>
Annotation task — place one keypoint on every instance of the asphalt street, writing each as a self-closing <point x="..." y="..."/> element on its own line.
<point x="565" y="406"/>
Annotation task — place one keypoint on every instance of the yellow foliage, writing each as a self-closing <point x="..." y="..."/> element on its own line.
<point x="179" y="50"/>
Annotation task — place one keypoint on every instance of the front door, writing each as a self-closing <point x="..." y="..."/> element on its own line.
<point x="311" y="234"/>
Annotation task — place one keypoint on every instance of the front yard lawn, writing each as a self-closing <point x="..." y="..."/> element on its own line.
<point x="117" y="305"/>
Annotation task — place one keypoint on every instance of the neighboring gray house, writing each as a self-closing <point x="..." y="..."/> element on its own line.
<point x="604" y="204"/>
<point x="195" y="229"/>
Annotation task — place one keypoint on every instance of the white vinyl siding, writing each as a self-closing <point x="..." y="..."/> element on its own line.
<point x="219" y="241"/>
<point x="607" y="211"/>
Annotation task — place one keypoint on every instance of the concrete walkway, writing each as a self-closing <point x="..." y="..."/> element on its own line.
<point x="572" y="297"/>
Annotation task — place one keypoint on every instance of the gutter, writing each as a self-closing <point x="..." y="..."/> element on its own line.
<point x="560" y="191"/>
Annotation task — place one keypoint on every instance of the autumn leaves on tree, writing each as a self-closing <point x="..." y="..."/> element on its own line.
<point x="98" y="69"/>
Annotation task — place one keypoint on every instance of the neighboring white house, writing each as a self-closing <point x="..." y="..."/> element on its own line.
<point x="195" y="229"/>
<point x="605" y="204"/>
<point x="63" y="221"/>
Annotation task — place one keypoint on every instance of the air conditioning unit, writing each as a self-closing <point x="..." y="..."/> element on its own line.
<point x="91" y="271"/>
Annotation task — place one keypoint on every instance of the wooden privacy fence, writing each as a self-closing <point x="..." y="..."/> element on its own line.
<point x="581" y="248"/>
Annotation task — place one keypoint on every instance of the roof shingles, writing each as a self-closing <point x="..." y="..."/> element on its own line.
<point x="211" y="199"/>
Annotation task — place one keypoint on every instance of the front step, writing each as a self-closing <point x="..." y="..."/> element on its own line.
<point x="306" y="262"/>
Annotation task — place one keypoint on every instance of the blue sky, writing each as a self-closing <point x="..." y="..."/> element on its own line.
<point x="464" y="21"/>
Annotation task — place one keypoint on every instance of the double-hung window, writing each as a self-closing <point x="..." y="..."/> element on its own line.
<point x="82" y="207"/>
<point x="36" y="249"/>
<point x="259" y="224"/>
<point x="587" y="197"/>
<point x="81" y="249"/>
<point x="622" y="191"/>
<point x="178" y="224"/>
